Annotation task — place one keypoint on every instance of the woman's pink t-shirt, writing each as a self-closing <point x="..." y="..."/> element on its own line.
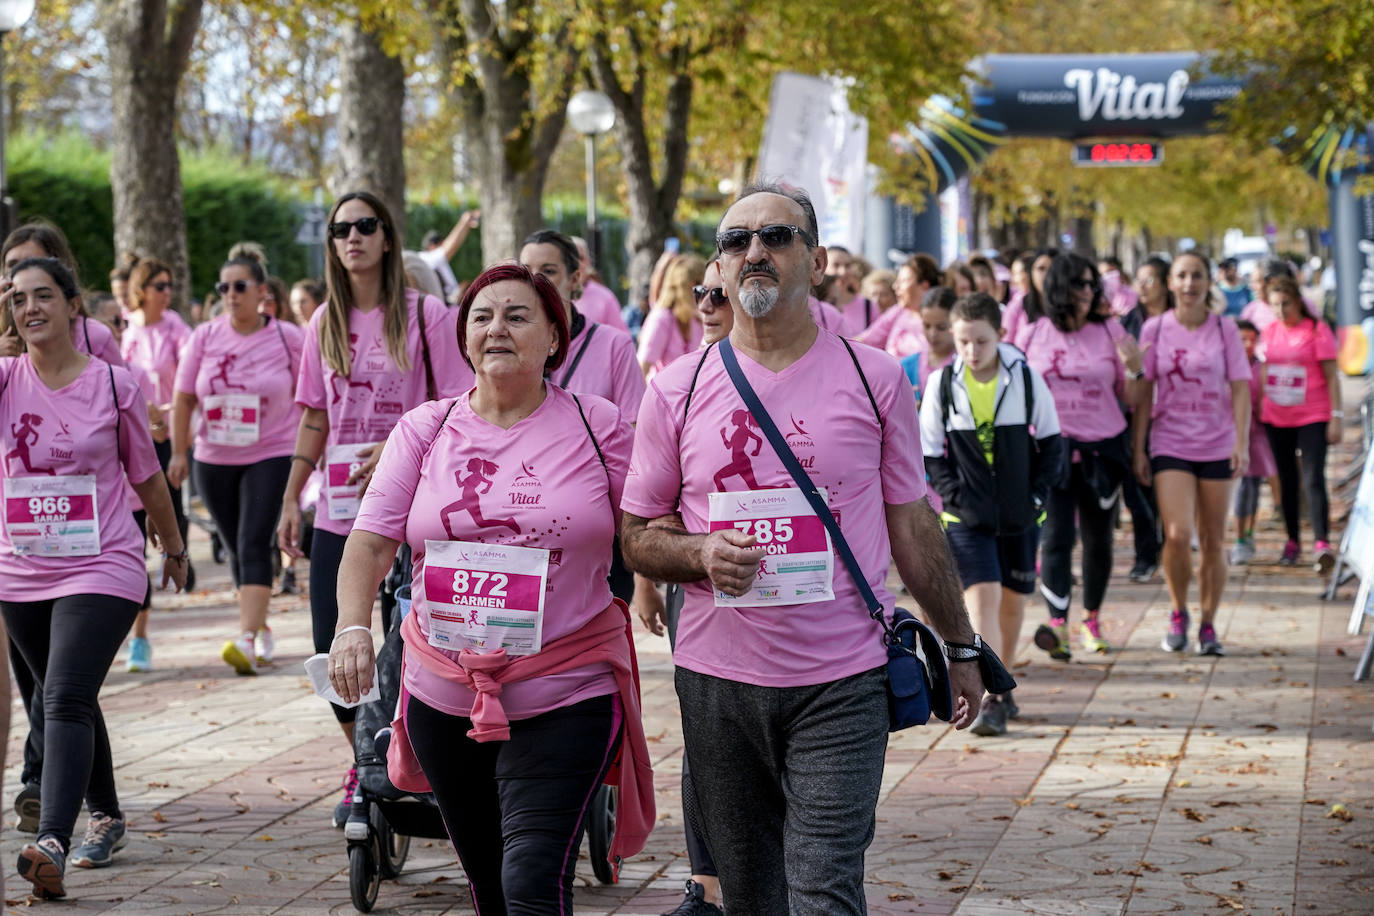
<point x="1295" y="388"/>
<point x="1261" y="455"/>
<point x="71" y="431"/>
<point x="661" y="340"/>
<point x="820" y="405"/>
<point x="538" y="484"/>
<point x="93" y="337"/>
<point x="858" y="314"/>
<point x="1192" y="371"/>
<point x="1259" y="313"/>
<point x="1083" y="372"/>
<point x="898" y="331"/>
<point x="145" y="385"/>
<point x="365" y="405"/>
<point x="608" y="368"/>
<point x="220" y="361"/>
<point x="826" y="316"/>
<point x="157" y="347"/>
<point x="1014" y="317"/>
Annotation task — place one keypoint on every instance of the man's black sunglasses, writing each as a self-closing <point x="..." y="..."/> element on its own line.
<point x="775" y="237"/>
<point x="717" y="294"/>
<point x="366" y="226"/>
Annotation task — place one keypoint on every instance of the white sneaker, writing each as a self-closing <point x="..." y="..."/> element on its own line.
<point x="1242" y="553"/>
<point x="266" y="646"/>
<point x="238" y="653"/>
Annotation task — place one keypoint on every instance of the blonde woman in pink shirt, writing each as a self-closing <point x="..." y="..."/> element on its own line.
<point x="71" y="557"/>
<point x="516" y="686"/>
<point x="373" y="351"/>
<point x="672" y="328"/>
<point x="240" y="370"/>
<point x="1198" y="435"/>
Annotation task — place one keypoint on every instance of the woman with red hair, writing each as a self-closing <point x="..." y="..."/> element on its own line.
<point x="517" y="680"/>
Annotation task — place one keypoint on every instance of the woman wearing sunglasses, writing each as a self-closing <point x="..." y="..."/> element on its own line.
<point x="152" y="340"/>
<point x="1090" y="365"/>
<point x="240" y="370"/>
<point x="373" y="351"/>
<point x="1198" y="381"/>
<point x="672" y="328"/>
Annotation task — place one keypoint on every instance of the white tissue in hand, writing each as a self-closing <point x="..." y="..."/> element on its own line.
<point x="317" y="668"/>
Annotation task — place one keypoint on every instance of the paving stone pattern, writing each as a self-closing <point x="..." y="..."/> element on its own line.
<point x="1138" y="782"/>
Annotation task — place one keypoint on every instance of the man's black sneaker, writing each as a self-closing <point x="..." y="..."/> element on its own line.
<point x="694" y="903"/>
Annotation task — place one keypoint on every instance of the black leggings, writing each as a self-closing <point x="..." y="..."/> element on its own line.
<point x="698" y="853"/>
<point x="164" y="455"/>
<point x="326" y="553"/>
<point x="515" y="810"/>
<point x="245" y="501"/>
<point x="1056" y="544"/>
<point x="1286" y="442"/>
<point x="69" y="644"/>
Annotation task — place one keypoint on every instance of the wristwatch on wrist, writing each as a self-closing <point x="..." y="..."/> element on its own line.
<point x="964" y="652"/>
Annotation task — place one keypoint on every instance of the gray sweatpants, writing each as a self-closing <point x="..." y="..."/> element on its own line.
<point x="787" y="779"/>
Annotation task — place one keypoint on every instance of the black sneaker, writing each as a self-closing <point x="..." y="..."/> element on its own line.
<point x="44" y="864"/>
<point x="992" y="718"/>
<point x="694" y="903"/>
<point x="28" y="804"/>
<point x="1143" y="571"/>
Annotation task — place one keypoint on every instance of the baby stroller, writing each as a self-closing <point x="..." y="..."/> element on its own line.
<point x="384" y="819"/>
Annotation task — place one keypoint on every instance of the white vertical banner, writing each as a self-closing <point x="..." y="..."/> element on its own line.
<point x="813" y="141"/>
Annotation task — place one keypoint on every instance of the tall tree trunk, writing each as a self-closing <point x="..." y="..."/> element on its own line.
<point x="651" y="204"/>
<point x="149" y="43"/>
<point x="372" y="93"/>
<point x="508" y="133"/>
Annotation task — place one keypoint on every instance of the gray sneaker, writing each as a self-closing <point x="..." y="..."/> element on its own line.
<point x="104" y="837"/>
<point x="992" y="718"/>
<point x="1176" y="640"/>
<point x="43" y="865"/>
<point x="1242" y="553"/>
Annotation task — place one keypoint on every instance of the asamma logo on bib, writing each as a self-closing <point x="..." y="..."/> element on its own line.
<point x="1118" y="98"/>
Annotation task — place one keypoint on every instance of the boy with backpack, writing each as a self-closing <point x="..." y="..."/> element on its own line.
<point x="990" y="436"/>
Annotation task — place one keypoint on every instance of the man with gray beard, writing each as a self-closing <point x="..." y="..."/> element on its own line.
<point x="780" y="671"/>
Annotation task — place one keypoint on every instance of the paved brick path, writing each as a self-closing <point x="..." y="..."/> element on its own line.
<point x="1138" y="782"/>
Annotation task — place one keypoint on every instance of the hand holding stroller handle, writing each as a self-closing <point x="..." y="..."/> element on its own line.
<point x="352" y="663"/>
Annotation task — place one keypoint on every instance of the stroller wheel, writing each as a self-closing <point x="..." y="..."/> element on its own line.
<point x="364" y="877"/>
<point x="600" y="832"/>
<point x="395" y="847"/>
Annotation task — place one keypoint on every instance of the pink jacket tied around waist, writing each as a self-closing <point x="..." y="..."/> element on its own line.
<point x="605" y="638"/>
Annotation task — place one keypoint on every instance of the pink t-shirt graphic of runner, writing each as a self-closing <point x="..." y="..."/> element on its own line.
<point x="1084" y="373"/>
<point x="1192" y="371"/>
<point x="472" y="487"/>
<point x="738" y="443"/>
<point x="25" y="434"/>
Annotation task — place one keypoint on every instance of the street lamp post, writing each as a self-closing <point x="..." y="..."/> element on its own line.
<point x="591" y="113"/>
<point x="13" y="14"/>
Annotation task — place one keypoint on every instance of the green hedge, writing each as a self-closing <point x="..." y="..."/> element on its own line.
<point x="66" y="180"/>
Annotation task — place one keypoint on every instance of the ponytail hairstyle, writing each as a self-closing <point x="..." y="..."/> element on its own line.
<point x="1285" y="284"/>
<point x="333" y="327"/>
